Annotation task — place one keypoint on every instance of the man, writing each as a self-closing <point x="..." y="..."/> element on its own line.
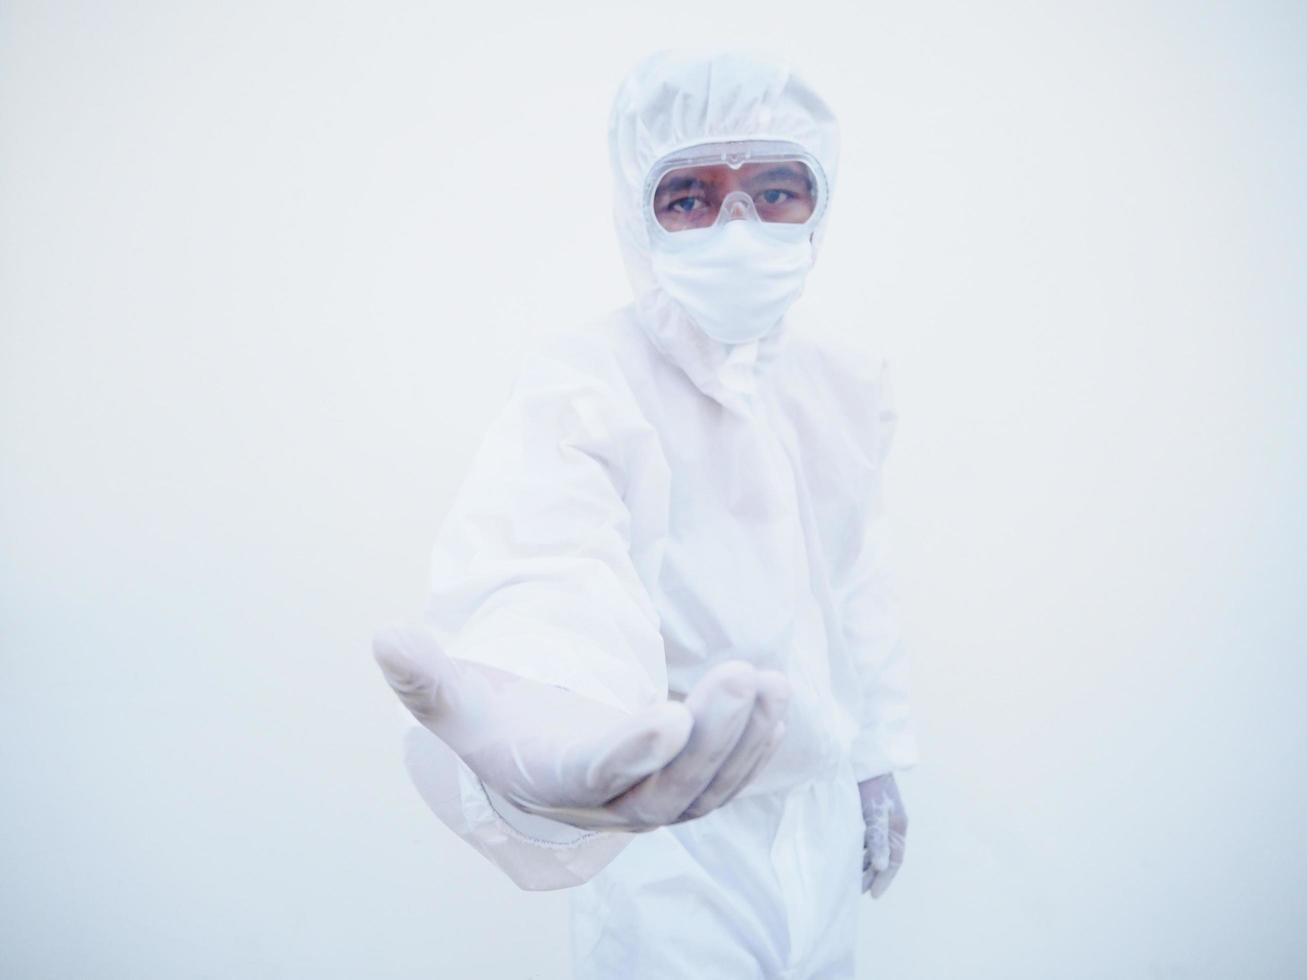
<point x="659" y="663"/>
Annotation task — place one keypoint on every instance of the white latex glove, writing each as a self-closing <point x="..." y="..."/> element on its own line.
<point x="564" y="756"/>
<point x="886" y="834"/>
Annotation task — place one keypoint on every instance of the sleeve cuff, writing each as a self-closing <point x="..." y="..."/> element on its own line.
<point x="875" y="754"/>
<point x="535" y="852"/>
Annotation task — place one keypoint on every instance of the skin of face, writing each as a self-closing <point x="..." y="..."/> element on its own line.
<point x="690" y="197"/>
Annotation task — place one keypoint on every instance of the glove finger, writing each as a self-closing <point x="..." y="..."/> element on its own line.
<point x="869" y="872"/>
<point x="721" y="705"/>
<point x="898" y="845"/>
<point x="882" y="881"/>
<point x="772" y="745"/>
<point x="572" y="782"/>
<point x="638" y="747"/>
<point x="756" y="742"/>
<point x="878" y="836"/>
<point x="424" y="678"/>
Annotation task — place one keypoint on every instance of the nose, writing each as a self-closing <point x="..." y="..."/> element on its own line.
<point x="736" y="209"/>
<point x="737" y="204"/>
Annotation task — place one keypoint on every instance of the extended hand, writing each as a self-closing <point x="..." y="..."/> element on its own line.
<point x="556" y="753"/>
<point x="886" y="832"/>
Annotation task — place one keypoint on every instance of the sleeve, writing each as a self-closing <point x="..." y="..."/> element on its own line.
<point x="886" y="739"/>
<point x="537" y="570"/>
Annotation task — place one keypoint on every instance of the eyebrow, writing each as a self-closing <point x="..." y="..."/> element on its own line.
<point x="679" y="184"/>
<point x="783" y="172"/>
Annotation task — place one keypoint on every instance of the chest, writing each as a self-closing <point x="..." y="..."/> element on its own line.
<point x="762" y="507"/>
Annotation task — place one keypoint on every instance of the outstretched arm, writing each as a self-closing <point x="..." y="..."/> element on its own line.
<point x="539" y="678"/>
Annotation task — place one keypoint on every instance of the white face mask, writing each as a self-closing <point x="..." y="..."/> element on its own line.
<point x="736" y="279"/>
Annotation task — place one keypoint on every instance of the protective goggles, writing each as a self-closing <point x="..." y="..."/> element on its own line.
<point x="776" y="183"/>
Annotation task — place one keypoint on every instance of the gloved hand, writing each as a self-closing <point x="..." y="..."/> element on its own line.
<point x="564" y="756"/>
<point x="886" y="834"/>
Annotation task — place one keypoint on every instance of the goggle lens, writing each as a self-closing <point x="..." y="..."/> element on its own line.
<point x="781" y="191"/>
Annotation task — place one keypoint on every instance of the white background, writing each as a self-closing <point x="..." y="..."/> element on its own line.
<point x="266" y="272"/>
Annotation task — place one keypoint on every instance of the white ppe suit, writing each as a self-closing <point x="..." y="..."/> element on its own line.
<point x="653" y="502"/>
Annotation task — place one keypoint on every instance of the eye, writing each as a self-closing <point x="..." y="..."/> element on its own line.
<point x="686" y="205"/>
<point x="774" y="196"/>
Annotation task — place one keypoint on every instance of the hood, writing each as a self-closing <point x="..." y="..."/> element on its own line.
<point x="675" y="99"/>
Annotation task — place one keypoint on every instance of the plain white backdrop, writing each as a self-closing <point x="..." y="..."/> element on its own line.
<point x="266" y="274"/>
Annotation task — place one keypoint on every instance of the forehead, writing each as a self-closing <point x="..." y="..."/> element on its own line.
<point x="719" y="173"/>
